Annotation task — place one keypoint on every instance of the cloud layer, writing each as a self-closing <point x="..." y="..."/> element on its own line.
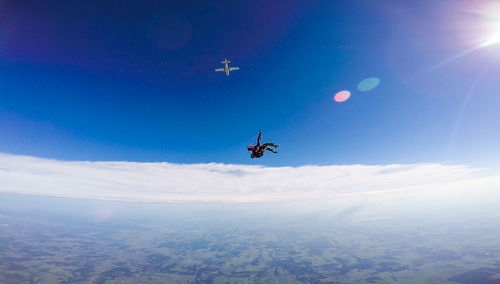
<point x="165" y="182"/>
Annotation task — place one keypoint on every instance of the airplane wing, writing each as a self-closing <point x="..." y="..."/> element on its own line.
<point x="234" y="68"/>
<point x="219" y="70"/>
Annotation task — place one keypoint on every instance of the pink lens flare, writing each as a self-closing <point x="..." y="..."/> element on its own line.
<point x="341" y="96"/>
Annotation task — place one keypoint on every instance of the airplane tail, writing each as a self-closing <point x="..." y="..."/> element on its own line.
<point x="225" y="61"/>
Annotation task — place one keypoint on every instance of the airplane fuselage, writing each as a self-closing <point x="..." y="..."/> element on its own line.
<point x="226" y="68"/>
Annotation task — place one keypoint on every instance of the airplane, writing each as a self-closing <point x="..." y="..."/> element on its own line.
<point x="226" y="68"/>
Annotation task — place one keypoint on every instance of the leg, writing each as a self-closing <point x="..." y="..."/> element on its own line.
<point x="271" y="144"/>
<point x="258" y="138"/>
<point x="274" y="151"/>
<point x="264" y="148"/>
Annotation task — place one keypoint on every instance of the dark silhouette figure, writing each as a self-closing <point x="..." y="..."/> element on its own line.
<point x="258" y="150"/>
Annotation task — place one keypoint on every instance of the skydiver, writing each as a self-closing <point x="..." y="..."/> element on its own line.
<point x="258" y="150"/>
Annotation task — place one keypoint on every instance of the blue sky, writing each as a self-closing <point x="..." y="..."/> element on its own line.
<point x="134" y="81"/>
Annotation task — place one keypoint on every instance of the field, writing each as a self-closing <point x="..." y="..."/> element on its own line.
<point x="228" y="244"/>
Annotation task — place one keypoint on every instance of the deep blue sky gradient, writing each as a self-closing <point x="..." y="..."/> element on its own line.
<point x="134" y="80"/>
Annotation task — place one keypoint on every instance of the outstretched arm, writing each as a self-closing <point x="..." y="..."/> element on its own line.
<point x="258" y="138"/>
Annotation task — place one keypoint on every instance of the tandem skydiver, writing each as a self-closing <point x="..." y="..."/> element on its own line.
<point x="258" y="150"/>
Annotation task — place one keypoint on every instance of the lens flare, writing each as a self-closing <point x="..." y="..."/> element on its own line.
<point x="341" y="96"/>
<point x="494" y="39"/>
<point x="368" y="84"/>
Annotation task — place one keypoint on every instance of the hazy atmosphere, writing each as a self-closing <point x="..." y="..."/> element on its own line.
<point x="249" y="142"/>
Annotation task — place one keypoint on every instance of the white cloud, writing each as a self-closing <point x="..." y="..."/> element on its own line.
<point x="162" y="182"/>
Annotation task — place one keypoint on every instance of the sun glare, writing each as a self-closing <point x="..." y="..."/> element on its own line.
<point x="493" y="40"/>
<point x="492" y="24"/>
<point x="493" y="32"/>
